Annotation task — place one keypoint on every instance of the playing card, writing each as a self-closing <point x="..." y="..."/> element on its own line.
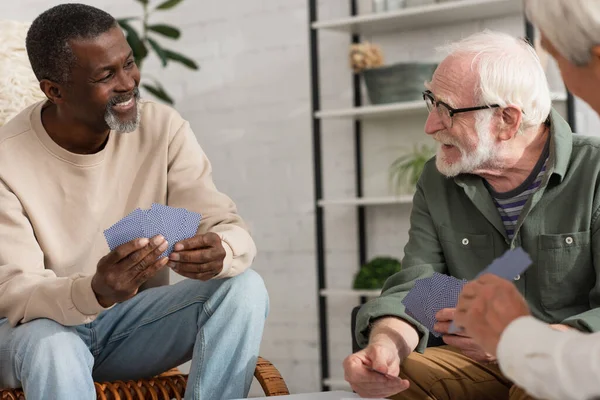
<point x="414" y="301"/>
<point x="434" y="301"/>
<point x="448" y="298"/>
<point x="152" y="225"/>
<point x="173" y="219"/>
<point x="508" y="266"/>
<point x="190" y="226"/>
<point x="125" y="230"/>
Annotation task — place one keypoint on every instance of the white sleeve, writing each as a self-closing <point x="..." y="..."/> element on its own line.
<point x="550" y="364"/>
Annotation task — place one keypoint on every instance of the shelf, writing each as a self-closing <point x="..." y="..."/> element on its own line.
<point x="426" y="16"/>
<point x="396" y="109"/>
<point x="350" y="292"/>
<point x="375" y="111"/>
<point x="367" y="201"/>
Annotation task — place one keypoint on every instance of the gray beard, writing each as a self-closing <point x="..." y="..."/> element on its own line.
<point x="115" y="124"/>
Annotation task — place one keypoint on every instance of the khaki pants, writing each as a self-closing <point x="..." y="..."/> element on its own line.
<point x="443" y="373"/>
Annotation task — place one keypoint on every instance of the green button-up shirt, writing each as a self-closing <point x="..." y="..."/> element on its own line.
<point x="558" y="227"/>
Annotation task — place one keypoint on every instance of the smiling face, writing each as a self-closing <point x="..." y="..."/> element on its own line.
<point x="468" y="144"/>
<point x="103" y="90"/>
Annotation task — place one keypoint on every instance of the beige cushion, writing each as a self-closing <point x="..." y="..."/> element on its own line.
<point x="18" y="86"/>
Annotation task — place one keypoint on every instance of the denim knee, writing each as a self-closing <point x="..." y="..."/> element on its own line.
<point x="44" y="339"/>
<point x="249" y="289"/>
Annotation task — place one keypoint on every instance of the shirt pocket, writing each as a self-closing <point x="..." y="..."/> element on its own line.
<point x="466" y="253"/>
<point x="565" y="269"/>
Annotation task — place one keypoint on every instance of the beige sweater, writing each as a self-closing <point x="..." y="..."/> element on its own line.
<point x="55" y="205"/>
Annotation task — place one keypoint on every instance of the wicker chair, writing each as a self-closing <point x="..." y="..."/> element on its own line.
<point x="168" y="385"/>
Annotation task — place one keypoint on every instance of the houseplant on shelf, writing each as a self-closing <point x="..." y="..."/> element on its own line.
<point x="143" y="41"/>
<point x="373" y="274"/>
<point x="406" y="169"/>
<point x="398" y="82"/>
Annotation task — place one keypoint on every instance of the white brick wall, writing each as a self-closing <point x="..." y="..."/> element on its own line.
<point x="249" y="106"/>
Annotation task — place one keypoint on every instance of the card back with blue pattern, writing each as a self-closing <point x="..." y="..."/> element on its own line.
<point x="125" y="230"/>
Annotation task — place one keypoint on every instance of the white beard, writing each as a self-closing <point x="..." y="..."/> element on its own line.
<point x="484" y="155"/>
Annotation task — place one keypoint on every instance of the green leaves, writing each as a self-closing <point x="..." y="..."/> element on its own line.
<point x="135" y="42"/>
<point x="159" y="51"/>
<point x="373" y="274"/>
<point x="142" y="43"/>
<point x="406" y="169"/>
<point x="181" y="59"/>
<point x="168" y="4"/>
<point x="158" y="91"/>
<point x="165" y="30"/>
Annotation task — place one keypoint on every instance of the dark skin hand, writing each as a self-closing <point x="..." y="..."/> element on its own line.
<point x="105" y="71"/>
<point x="200" y="257"/>
<point x="121" y="272"/>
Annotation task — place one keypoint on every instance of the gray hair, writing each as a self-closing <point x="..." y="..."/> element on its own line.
<point x="572" y="26"/>
<point x="509" y="72"/>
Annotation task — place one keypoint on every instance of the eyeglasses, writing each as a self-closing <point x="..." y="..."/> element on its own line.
<point x="445" y="111"/>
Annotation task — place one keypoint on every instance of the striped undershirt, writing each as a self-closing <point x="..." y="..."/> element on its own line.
<point x="510" y="204"/>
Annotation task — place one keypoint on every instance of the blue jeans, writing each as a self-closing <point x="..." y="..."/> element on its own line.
<point x="217" y="324"/>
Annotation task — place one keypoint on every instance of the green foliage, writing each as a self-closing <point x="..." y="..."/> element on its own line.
<point x="406" y="169"/>
<point x="373" y="274"/>
<point x="142" y="43"/>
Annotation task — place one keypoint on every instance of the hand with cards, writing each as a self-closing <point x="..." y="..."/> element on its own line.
<point x="487" y="306"/>
<point x="438" y="292"/>
<point x="433" y="302"/>
<point x="174" y="224"/>
<point x="429" y="296"/>
<point x="140" y="245"/>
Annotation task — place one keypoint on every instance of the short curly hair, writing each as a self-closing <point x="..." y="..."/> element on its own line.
<point x="48" y="37"/>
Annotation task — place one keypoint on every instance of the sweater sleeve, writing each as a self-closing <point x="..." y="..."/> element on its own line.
<point x="550" y="364"/>
<point x="423" y="257"/>
<point x="190" y="185"/>
<point x="27" y="289"/>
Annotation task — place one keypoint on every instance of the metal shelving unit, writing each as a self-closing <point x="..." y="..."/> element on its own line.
<point x="402" y="20"/>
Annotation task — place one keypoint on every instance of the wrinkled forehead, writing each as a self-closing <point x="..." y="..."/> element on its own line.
<point x="455" y="80"/>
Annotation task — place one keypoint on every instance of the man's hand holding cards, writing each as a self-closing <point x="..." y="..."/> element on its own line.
<point x="144" y="241"/>
<point x="431" y="295"/>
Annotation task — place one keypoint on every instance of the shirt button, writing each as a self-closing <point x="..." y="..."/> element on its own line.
<point x="569" y="240"/>
<point x="517" y="277"/>
<point x="465" y="241"/>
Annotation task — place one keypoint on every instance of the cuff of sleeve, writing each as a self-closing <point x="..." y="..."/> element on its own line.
<point x="227" y="262"/>
<point x="83" y="296"/>
<point x="386" y="308"/>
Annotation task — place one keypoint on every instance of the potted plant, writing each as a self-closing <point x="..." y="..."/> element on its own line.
<point x="373" y="274"/>
<point x="399" y="82"/>
<point x="145" y="40"/>
<point x="406" y="169"/>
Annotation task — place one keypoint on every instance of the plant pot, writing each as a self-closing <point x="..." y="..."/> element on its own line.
<point x="397" y="82"/>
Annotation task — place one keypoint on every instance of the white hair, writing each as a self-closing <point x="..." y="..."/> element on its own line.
<point x="509" y="73"/>
<point x="572" y="26"/>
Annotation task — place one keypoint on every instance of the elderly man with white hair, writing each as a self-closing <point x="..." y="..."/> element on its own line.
<point x="509" y="173"/>
<point x="547" y="363"/>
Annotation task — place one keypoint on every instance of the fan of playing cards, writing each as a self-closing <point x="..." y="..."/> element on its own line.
<point x="430" y="295"/>
<point x="175" y="224"/>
